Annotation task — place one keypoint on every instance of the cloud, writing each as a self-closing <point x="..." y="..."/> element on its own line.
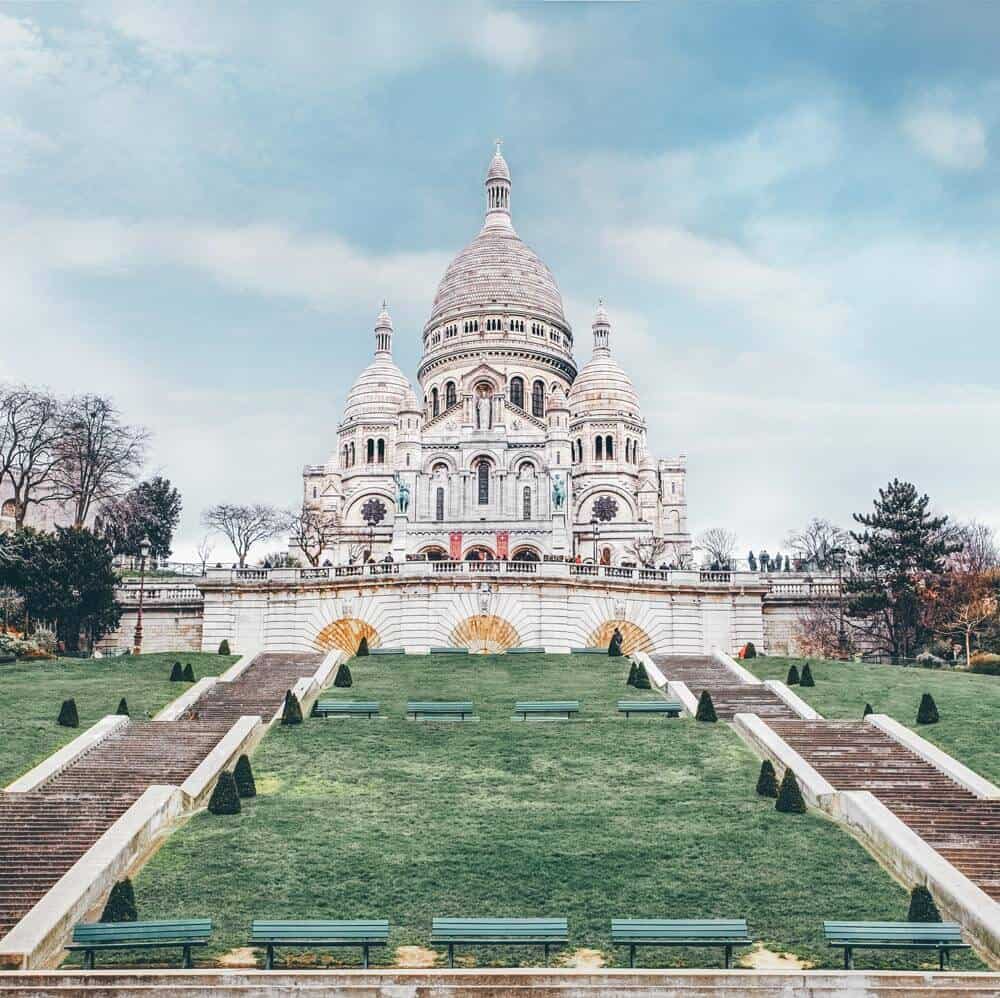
<point x="507" y="39"/>
<point x="948" y="138"/>
<point x="24" y="56"/>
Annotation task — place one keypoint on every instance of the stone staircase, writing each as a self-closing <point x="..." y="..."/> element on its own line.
<point x="44" y="832"/>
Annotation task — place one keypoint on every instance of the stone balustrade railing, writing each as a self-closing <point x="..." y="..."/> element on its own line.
<point x="152" y="595"/>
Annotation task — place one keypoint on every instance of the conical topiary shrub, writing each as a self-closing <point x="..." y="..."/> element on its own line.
<point x="224" y="647"/>
<point x="121" y="904"/>
<point x="750" y="651"/>
<point x="122" y="707"/>
<point x="922" y="906"/>
<point x="706" y="709"/>
<point x="362" y="647"/>
<point x="641" y="678"/>
<point x="344" y="677"/>
<point x="632" y="670"/>
<point x="869" y="709"/>
<point x="176" y="673"/>
<point x="792" y="679"/>
<point x="68" y="717"/>
<point x="927" y="712"/>
<point x="243" y="775"/>
<point x="767" y="782"/>
<point x="291" y="712"/>
<point x="225" y="799"/>
<point x="789" y="796"/>
<point x="807" y="676"/>
<point x="188" y="673"/>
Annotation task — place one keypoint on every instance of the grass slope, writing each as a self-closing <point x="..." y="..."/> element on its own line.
<point x="969" y="728"/>
<point x="590" y="819"/>
<point x="33" y="691"/>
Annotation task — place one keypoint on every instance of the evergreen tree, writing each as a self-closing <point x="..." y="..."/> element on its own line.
<point x="243" y="776"/>
<point x="633" y="669"/>
<point x="641" y="678"/>
<point x="807" y="676"/>
<point x="344" y="678"/>
<point x="152" y="509"/>
<point x="792" y="679"/>
<point x="362" y="647"/>
<point x="901" y="547"/>
<point x="176" y="673"/>
<point x="790" y="796"/>
<point x="869" y="709"/>
<point x="225" y="798"/>
<point x="122" y="707"/>
<point x="750" y="651"/>
<point x="927" y="713"/>
<point x="224" y="647"/>
<point x="922" y="906"/>
<point x="767" y="781"/>
<point x="68" y="717"/>
<point x="120" y="906"/>
<point x="706" y="709"/>
<point x="188" y="673"/>
<point x="291" y="712"/>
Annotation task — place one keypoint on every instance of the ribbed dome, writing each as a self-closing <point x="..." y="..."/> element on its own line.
<point x="378" y="392"/>
<point x="602" y="388"/>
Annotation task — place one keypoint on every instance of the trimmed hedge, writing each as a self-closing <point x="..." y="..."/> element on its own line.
<point x="176" y="673"/>
<point x="807" y="676"/>
<point x="121" y="904"/>
<point x="927" y="713"/>
<point x="122" y="707"/>
<point x="243" y="775"/>
<point x="344" y="678"/>
<point x="792" y="679"/>
<point x="68" y="717"/>
<point x="641" y="678"/>
<point x="633" y="668"/>
<point x="224" y="647"/>
<point x="869" y="709"/>
<point x="922" y="906"/>
<point x="225" y="797"/>
<point x="362" y="647"/>
<point x="706" y="709"/>
<point x="188" y="673"/>
<point x="291" y="712"/>
<point x="790" y="799"/>
<point x="767" y="782"/>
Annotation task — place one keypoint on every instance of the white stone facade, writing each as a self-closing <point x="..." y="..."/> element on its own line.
<point x="509" y="452"/>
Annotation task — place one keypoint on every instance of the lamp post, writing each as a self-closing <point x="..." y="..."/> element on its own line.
<point x="595" y="527"/>
<point x="145" y="546"/>
<point x="839" y="556"/>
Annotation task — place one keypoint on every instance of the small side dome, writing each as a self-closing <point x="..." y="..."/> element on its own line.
<point x="602" y="388"/>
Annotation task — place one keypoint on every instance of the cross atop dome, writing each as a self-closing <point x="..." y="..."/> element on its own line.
<point x="498" y="191"/>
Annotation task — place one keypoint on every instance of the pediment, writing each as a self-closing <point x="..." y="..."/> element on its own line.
<point x="483" y="372"/>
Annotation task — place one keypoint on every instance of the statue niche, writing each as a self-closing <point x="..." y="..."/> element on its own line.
<point x="484" y="407"/>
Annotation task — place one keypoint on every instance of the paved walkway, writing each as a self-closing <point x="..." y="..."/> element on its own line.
<point x="44" y="832"/>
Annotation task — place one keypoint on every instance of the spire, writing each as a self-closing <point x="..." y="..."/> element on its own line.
<point x="383" y="332"/>
<point x="602" y="330"/>
<point x="498" y="192"/>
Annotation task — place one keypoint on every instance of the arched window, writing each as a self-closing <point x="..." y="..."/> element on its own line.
<point x="526" y="503"/>
<point x="354" y="455"/>
<point x="434" y="402"/>
<point x="314" y="492"/>
<point x="609" y="447"/>
<point x="439" y="505"/>
<point x="449" y="394"/>
<point x="538" y="399"/>
<point x="517" y="392"/>
<point x="483" y="474"/>
<point x="598" y="448"/>
<point x="370" y="452"/>
<point x="381" y="450"/>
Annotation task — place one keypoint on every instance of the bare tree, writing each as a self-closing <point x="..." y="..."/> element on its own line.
<point x="719" y="544"/>
<point x="980" y="552"/>
<point x="312" y="531"/>
<point x="205" y="549"/>
<point x="30" y="427"/>
<point x="965" y="604"/>
<point x="99" y="456"/>
<point x="244" y="526"/>
<point x="818" y="631"/>
<point x="819" y="543"/>
<point x="646" y="550"/>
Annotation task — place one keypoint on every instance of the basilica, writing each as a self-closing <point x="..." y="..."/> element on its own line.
<point x="507" y="452"/>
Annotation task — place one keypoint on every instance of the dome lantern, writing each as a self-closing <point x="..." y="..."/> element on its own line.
<point x="602" y="330"/>
<point x="383" y="332"/>
<point x="498" y="192"/>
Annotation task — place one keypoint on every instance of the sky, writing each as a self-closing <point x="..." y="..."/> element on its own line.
<point x="791" y="211"/>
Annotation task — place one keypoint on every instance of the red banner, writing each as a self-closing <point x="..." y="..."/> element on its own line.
<point x="503" y="544"/>
<point x="455" y="545"/>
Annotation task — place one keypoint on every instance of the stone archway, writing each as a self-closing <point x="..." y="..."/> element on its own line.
<point x="634" y="638"/>
<point x="346" y="634"/>
<point x="485" y="635"/>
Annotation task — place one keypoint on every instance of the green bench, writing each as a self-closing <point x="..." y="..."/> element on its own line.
<point x="318" y="933"/>
<point x="448" y="650"/>
<point x="671" y="708"/>
<point x="345" y="708"/>
<point x="724" y="932"/>
<point x="546" y="708"/>
<point x="527" y="650"/>
<point x="545" y="932"/>
<point x="439" y="710"/>
<point x="184" y="933"/>
<point x="941" y="936"/>
<point x="589" y="651"/>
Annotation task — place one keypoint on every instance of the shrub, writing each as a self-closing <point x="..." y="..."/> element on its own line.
<point x="225" y="797"/>
<point x="121" y="903"/>
<point x="792" y="679"/>
<point x="362" y="647"/>
<point x="789" y="796"/>
<point x="641" y="678"/>
<point x="344" y="677"/>
<point x="927" y="713"/>
<point x="706" y="709"/>
<point x="985" y="664"/>
<point x="633" y="669"/>
<point x="291" y="712"/>
<point x="243" y="775"/>
<point x="807" y="676"/>
<point x="767" y="782"/>
<point x="922" y="906"/>
<point x="869" y="709"/>
<point x="176" y="673"/>
<point x="68" y="717"/>
<point x="188" y="673"/>
<point x="224" y="647"/>
<point x="750" y="651"/>
<point x="122" y="707"/>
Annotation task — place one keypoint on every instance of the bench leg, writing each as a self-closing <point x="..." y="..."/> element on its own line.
<point x="848" y="958"/>
<point x="365" y="949"/>
<point x="729" y="958"/>
<point x="942" y="959"/>
<point x="451" y="954"/>
<point x="631" y="955"/>
<point x="88" y="959"/>
<point x="546" y="954"/>
<point x="269" y="958"/>
<point x="187" y="957"/>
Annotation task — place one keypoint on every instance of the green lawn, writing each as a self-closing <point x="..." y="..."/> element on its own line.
<point x="31" y="693"/>
<point x="589" y="819"/>
<point x="969" y="704"/>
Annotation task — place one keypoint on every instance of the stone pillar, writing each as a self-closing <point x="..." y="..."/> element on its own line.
<point x="399" y="528"/>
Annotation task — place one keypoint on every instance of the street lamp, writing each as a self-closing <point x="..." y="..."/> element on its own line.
<point x="145" y="546"/>
<point x="839" y="557"/>
<point x="595" y="528"/>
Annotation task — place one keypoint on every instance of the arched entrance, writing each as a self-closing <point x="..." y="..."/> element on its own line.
<point x="485" y="635"/>
<point x="634" y="638"/>
<point x="434" y="553"/>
